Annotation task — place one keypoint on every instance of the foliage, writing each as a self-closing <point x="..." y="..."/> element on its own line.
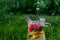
<point x="49" y="7"/>
<point x="13" y="24"/>
<point x="14" y="27"/>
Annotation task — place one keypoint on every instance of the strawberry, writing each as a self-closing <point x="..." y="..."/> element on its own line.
<point x="39" y="27"/>
<point x="31" y="27"/>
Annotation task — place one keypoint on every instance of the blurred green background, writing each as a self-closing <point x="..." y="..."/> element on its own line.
<point x="13" y="25"/>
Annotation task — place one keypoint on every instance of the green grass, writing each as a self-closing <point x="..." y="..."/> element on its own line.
<point x="16" y="28"/>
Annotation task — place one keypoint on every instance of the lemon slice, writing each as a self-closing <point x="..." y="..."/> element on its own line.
<point x="37" y="34"/>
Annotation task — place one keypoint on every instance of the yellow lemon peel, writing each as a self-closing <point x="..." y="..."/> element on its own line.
<point x="37" y="34"/>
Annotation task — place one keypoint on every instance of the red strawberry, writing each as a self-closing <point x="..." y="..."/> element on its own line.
<point x="31" y="27"/>
<point x="39" y="27"/>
